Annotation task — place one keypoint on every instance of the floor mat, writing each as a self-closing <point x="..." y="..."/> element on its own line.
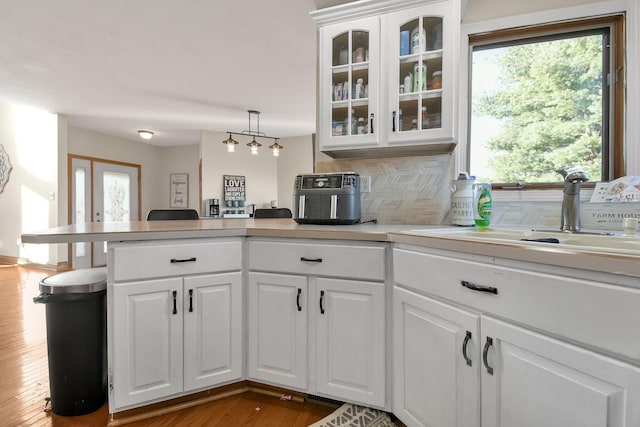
<point x="349" y="415"/>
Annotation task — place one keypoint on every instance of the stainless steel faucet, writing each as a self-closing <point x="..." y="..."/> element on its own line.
<point x="573" y="176"/>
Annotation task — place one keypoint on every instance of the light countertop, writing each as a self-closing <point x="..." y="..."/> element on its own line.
<point x="605" y="262"/>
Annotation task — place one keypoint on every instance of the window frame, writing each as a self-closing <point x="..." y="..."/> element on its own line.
<point x="629" y="160"/>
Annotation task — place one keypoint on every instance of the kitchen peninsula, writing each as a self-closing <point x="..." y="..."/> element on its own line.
<point x="469" y="332"/>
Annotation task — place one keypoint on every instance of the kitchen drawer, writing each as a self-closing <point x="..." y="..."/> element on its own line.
<point x="162" y="258"/>
<point x="597" y="314"/>
<point x="350" y="261"/>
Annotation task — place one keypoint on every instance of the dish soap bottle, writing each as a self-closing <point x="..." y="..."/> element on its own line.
<point x="482" y="204"/>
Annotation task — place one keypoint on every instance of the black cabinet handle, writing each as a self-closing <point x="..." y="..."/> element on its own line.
<point x="175" y="306"/>
<point x="190" y="300"/>
<point x="467" y="338"/>
<point x="298" y="299"/>
<point x="310" y="259"/>
<point x="371" y="124"/>
<point x="479" y="288"/>
<point x="321" y="302"/>
<point x="393" y="122"/>
<point x="174" y="260"/>
<point x="485" y="352"/>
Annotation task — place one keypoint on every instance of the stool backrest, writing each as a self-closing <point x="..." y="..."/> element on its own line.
<point x="170" y="214"/>
<point x="273" y="213"/>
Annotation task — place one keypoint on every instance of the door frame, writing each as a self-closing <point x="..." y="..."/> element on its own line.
<point x="70" y="158"/>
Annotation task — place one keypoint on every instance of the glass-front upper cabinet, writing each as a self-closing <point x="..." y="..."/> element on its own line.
<point x="349" y="84"/>
<point x="420" y="45"/>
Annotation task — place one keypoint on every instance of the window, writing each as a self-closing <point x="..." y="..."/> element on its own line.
<point x="544" y="97"/>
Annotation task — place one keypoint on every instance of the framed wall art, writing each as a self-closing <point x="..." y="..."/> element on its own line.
<point x="5" y="168"/>
<point x="179" y="190"/>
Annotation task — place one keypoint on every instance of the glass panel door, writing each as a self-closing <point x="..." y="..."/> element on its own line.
<point x="115" y="199"/>
<point x="100" y="192"/>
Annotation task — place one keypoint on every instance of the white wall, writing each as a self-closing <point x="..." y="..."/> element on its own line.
<point x="295" y="158"/>
<point x="29" y="201"/>
<point x="260" y="172"/>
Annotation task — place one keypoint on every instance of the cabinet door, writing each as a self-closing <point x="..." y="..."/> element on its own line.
<point x="530" y="380"/>
<point x="420" y="46"/>
<point x="212" y="330"/>
<point x="278" y="329"/>
<point x="349" y="84"/>
<point x="436" y="362"/>
<point x="350" y="340"/>
<point x="147" y="321"/>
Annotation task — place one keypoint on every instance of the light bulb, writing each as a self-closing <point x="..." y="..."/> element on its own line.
<point x="276" y="151"/>
<point x="254" y="150"/>
<point x="231" y="148"/>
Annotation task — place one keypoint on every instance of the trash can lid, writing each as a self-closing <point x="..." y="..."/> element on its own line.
<point x="75" y="282"/>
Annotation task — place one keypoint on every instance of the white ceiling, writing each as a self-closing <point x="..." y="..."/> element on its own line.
<point x="171" y="66"/>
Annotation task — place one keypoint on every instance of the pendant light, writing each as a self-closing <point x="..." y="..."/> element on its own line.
<point x="231" y="144"/>
<point x="253" y="145"/>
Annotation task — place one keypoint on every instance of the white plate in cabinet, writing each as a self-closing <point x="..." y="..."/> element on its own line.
<point x="355" y="261"/>
<point x="600" y="315"/>
<point x="150" y="259"/>
<point x="436" y="362"/>
<point x="530" y="380"/>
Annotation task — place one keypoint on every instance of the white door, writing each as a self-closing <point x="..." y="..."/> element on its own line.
<point x="530" y="380"/>
<point x="436" y="363"/>
<point x="350" y="340"/>
<point x="101" y="191"/>
<point x="278" y="329"/>
<point x="212" y="330"/>
<point x="147" y="319"/>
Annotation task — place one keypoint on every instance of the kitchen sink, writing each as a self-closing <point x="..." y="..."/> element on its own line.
<point x="582" y="241"/>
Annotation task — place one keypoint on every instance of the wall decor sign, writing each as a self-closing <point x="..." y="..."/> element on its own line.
<point x="179" y="190"/>
<point x="5" y="168"/>
<point x="234" y="188"/>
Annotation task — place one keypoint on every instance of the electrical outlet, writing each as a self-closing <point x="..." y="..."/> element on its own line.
<point x="365" y="184"/>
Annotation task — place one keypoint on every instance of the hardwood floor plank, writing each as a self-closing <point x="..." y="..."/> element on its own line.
<point x="24" y="376"/>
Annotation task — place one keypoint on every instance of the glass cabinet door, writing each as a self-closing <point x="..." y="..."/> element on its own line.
<point x="349" y="83"/>
<point x="420" y="91"/>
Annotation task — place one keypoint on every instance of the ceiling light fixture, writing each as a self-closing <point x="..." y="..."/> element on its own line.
<point x="275" y="148"/>
<point x="231" y="144"/>
<point x="145" y="134"/>
<point x="253" y="145"/>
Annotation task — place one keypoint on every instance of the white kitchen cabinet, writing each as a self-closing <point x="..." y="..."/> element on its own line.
<point x="548" y="355"/>
<point x="278" y="329"/>
<point x="147" y="355"/>
<point x="350" y="341"/>
<point x="530" y="380"/>
<point x="372" y="44"/>
<point x="350" y="85"/>
<point x="436" y="362"/>
<point x="317" y="318"/>
<point x="169" y="336"/>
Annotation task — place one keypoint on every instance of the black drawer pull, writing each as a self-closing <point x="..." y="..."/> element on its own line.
<point x="467" y="338"/>
<point x="321" y="302"/>
<point x="310" y="259"/>
<point x="190" y="300"/>
<point x="298" y="299"/>
<point x="174" y="260"/>
<point x="479" y="288"/>
<point x="485" y="352"/>
<point x="175" y="306"/>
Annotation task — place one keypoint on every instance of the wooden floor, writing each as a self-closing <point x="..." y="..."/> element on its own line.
<point x="24" y="383"/>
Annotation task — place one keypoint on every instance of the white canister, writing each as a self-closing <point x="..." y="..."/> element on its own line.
<point x="462" y="200"/>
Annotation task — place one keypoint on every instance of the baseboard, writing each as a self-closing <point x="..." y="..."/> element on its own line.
<point x="21" y="262"/>
<point x="177" y="404"/>
<point x="274" y="391"/>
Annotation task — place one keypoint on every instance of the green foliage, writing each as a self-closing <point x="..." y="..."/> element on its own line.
<point x="549" y="101"/>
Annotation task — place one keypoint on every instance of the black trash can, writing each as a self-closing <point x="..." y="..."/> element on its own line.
<point x="76" y="312"/>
